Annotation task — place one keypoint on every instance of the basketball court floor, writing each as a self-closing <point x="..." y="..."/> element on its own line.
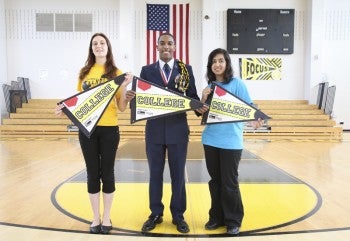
<point x="291" y="190"/>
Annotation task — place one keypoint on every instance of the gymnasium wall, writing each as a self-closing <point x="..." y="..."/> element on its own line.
<point x="51" y="60"/>
<point x="3" y="60"/>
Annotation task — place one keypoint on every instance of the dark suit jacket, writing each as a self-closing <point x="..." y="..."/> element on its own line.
<point x="170" y="129"/>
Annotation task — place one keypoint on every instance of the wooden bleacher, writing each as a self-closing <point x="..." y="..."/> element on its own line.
<point x="291" y="120"/>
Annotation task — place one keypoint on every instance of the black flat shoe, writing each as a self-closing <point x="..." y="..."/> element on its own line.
<point x="181" y="226"/>
<point x="95" y="229"/>
<point x="232" y="230"/>
<point x="212" y="225"/>
<point x="151" y="223"/>
<point x="106" y="229"/>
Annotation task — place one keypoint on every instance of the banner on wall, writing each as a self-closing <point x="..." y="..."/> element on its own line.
<point x="227" y="107"/>
<point x="86" y="108"/>
<point x="260" y="68"/>
<point x="152" y="101"/>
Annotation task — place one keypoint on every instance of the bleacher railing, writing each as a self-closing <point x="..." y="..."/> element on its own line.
<point x="16" y="94"/>
<point x="330" y="100"/>
<point x="325" y="97"/>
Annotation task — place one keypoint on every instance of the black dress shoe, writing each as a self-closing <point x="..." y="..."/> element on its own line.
<point x="181" y="226"/>
<point x="95" y="229"/>
<point x="212" y="225"/>
<point x="106" y="229"/>
<point x="232" y="230"/>
<point x="151" y="223"/>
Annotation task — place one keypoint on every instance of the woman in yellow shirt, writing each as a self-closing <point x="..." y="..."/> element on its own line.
<point x="100" y="149"/>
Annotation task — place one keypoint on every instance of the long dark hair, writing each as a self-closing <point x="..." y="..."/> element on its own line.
<point x="110" y="67"/>
<point x="228" y="74"/>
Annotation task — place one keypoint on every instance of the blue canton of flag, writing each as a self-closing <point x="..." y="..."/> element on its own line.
<point x="158" y="17"/>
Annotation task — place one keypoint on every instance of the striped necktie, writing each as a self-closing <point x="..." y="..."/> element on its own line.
<point x="166" y="70"/>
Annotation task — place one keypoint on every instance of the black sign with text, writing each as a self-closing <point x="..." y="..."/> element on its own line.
<point x="260" y="31"/>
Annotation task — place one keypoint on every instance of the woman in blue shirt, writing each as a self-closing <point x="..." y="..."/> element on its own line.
<point x="223" y="144"/>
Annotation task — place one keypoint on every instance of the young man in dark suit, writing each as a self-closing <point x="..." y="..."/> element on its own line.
<point x="168" y="133"/>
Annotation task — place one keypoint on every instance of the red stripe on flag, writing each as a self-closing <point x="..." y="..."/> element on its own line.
<point x="174" y="28"/>
<point x="181" y="32"/>
<point x="154" y="46"/>
<point x="187" y="32"/>
<point x="148" y="44"/>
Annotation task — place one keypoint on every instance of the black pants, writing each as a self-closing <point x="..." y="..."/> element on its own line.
<point x="226" y="201"/>
<point x="177" y="160"/>
<point x="99" y="153"/>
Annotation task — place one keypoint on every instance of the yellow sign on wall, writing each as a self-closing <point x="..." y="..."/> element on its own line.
<point x="260" y="68"/>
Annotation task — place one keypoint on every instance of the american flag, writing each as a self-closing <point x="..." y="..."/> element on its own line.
<point x="173" y="18"/>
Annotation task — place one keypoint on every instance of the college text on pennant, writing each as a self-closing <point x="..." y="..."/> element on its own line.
<point x="85" y="109"/>
<point x="153" y="101"/>
<point x="227" y="107"/>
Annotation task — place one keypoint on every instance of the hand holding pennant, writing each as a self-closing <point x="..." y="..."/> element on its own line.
<point x="152" y="101"/>
<point x="227" y="107"/>
<point x="86" y="108"/>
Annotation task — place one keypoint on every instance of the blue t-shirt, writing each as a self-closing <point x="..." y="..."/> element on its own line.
<point x="227" y="135"/>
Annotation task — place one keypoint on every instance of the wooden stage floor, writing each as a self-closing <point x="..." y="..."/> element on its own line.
<point x="292" y="190"/>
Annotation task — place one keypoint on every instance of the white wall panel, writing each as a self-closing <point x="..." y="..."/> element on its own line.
<point x="51" y="60"/>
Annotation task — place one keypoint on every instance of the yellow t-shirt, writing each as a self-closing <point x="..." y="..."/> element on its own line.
<point x="93" y="78"/>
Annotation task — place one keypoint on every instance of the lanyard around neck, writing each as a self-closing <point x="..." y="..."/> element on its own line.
<point x="165" y="79"/>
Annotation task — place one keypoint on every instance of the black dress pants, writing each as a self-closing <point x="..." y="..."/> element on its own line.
<point x="226" y="202"/>
<point x="177" y="160"/>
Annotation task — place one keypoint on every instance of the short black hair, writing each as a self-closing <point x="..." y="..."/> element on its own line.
<point x="166" y="33"/>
